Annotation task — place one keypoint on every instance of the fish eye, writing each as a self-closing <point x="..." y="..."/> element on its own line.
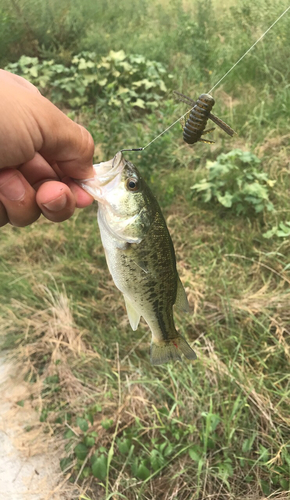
<point x="132" y="184"/>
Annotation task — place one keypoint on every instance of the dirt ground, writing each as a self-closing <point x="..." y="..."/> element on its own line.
<point x="29" y="460"/>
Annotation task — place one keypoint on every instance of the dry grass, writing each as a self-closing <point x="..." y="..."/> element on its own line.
<point x="52" y="343"/>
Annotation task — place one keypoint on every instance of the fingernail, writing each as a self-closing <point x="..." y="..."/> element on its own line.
<point x="57" y="204"/>
<point x="11" y="186"/>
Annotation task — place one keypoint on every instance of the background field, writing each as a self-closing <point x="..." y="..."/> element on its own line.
<point x="217" y="428"/>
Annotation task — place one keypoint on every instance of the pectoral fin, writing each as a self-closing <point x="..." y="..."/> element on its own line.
<point x="142" y="266"/>
<point x="131" y="254"/>
<point x="133" y="315"/>
<point x="181" y="299"/>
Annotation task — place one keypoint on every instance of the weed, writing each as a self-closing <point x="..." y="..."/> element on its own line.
<point x="218" y="428"/>
<point x="282" y="231"/>
<point x="236" y="181"/>
<point x="118" y="79"/>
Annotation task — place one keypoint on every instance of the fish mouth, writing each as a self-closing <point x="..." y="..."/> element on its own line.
<point x="107" y="176"/>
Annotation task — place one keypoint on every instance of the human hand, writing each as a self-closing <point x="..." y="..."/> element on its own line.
<point x="41" y="151"/>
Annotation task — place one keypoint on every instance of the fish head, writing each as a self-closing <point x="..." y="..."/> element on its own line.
<point x="124" y="207"/>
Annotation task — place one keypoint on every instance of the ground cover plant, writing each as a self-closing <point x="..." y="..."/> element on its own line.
<point x="219" y="427"/>
<point x="236" y="181"/>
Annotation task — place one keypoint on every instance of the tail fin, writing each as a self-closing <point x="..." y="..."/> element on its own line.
<point x="170" y="350"/>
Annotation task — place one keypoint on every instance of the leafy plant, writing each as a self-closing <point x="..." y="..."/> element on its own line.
<point x="282" y="231"/>
<point x="118" y="79"/>
<point x="140" y="457"/>
<point x="236" y="181"/>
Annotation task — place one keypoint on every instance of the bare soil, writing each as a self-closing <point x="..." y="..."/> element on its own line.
<point x="29" y="459"/>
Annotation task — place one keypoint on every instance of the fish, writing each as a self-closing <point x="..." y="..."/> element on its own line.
<point x="140" y="254"/>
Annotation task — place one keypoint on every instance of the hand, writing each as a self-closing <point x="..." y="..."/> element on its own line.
<point x="41" y="151"/>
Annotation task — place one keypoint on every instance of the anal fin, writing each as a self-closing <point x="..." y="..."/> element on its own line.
<point x="181" y="300"/>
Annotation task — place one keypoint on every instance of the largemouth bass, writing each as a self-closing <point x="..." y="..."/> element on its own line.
<point x="140" y="254"/>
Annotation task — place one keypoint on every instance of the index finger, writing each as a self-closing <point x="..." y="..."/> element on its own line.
<point x="64" y="142"/>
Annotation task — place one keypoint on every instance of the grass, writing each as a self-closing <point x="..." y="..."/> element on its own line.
<point x="217" y="428"/>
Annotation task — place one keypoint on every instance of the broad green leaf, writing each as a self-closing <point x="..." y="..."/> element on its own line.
<point x="284" y="229"/>
<point x="115" y="102"/>
<point x="117" y="56"/>
<point x="137" y="59"/>
<point x="122" y="90"/>
<point x="256" y="189"/>
<point x="102" y="82"/>
<point x="195" y="453"/>
<point x="156" y="460"/>
<point x="69" y="434"/>
<point x="270" y="206"/>
<point x="225" y="200"/>
<point x="283" y="234"/>
<point x="168" y="450"/>
<point x="99" y="467"/>
<point x="83" y="424"/>
<point x="247" y="157"/>
<point x="270" y="233"/>
<point x="104" y="64"/>
<point x="86" y="472"/>
<point x="259" y="207"/>
<point x="265" y="487"/>
<point x="162" y="86"/>
<point x="81" y="451"/>
<point x="285" y="484"/>
<point x="139" y="103"/>
<point x="142" y="472"/>
<point x="264" y="454"/>
<point x="248" y="443"/>
<point x="201" y="186"/>
<point x="124" y="446"/>
<point x="83" y="64"/>
<point x="225" y="470"/>
<point x="34" y="71"/>
<point x="107" y="423"/>
<point x="126" y="66"/>
<point x="89" y="441"/>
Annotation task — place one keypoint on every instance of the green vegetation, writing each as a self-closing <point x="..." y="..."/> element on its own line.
<point x="219" y="427"/>
<point x="235" y="181"/>
<point x="282" y="231"/>
<point x="116" y="79"/>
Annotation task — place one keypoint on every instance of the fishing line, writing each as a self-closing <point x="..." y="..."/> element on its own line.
<point x="234" y="65"/>
<point x="262" y="36"/>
